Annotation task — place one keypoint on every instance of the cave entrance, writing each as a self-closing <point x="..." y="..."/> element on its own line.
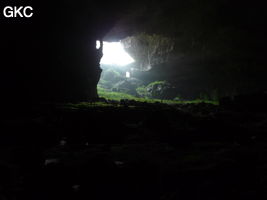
<point x="114" y="54"/>
<point x="145" y="76"/>
<point x="117" y="66"/>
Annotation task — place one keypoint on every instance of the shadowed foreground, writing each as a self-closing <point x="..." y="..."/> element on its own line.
<point x="133" y="150"/>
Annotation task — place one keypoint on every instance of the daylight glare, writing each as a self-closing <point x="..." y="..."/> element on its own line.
<point x="114" y="54"/>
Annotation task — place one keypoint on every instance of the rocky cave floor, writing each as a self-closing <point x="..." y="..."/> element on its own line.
<point x="133" y="151"/>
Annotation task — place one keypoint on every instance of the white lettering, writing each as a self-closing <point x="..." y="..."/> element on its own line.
<point x="8" y="11"/>
<point x="15" y="11"/>
<point x="24" y="11"/>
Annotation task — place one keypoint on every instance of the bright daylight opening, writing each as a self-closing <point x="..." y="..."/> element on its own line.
<point x="128" y="75"/>
<point x="114" y="54"/>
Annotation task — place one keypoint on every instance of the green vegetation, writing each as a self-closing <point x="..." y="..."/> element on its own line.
<point x="85" y="105"/>
<point x="156" y="83"/>
<point x="153" y="90"/>
<point x="112" y="75"/>
<point x="117" y="96"/>
<point x="114" y="86"/>
<point x="142" y="91"/>
<point x="109" y="78"/>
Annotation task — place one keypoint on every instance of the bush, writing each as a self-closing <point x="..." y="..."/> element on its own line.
<point x="157" y="89"/>
<point x="111" y="76"/>
<point x="142" y="91"/>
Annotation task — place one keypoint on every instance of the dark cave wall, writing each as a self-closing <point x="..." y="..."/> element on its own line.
<point x="51" y="57"/>
<point x="219" y="45"/>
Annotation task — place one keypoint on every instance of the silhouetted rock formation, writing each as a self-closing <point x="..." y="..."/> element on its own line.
<point x="52" y="56"/>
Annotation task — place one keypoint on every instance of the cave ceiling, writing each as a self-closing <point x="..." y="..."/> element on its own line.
<point x="220" y="31"/>
<point x="193" y="22"/>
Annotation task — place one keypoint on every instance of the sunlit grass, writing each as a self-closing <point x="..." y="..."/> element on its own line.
<point x="117" y="96"/>
<point x="113" y="100"/>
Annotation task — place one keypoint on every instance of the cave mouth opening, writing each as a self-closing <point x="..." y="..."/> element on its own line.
<point x="123" y="77"/>
<point x="117" y="68"/>
<point x="114" y="54"/>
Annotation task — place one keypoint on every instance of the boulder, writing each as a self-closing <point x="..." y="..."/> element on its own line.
<point x="160" y="90"/>
<point x="127" y="86"/>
